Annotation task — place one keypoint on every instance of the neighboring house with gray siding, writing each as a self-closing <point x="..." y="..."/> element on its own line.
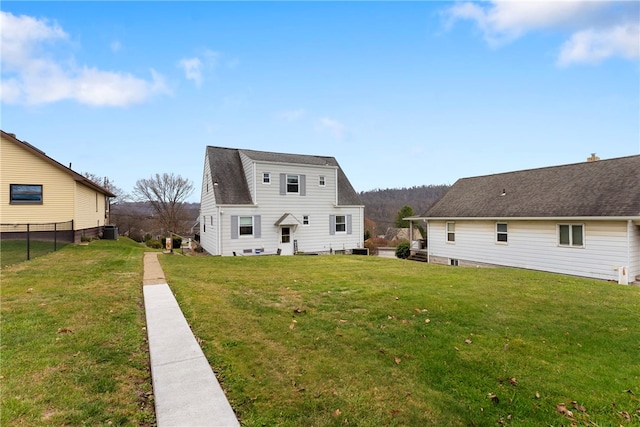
<point x="257" y="202"/>
<point x="580" y="219"/>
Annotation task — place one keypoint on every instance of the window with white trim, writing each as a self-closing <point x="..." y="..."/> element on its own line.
<point x="293" y="183"/>
<point x="451" y="232"/>
<point x="571" y="235"/>
<point x="305" y="219"/>
<point x="245" y="224"/>
<point x="341" y="224"/>
<point x="502" y="230"/>
<point x="266" y="178"/>
<point x="322" y="181"/>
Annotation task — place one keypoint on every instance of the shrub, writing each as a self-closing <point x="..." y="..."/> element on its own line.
<point x="154" y="244"/>
<point x="403" y="251"/>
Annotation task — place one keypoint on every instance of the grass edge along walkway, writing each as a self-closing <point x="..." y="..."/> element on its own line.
<point x="185" y="388"/>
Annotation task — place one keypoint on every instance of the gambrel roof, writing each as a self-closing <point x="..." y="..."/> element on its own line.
<point x="604" y="188"/>
<point x="230" y="183"/>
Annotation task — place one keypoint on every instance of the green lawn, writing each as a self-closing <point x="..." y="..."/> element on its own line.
<point x="73" y="349"/>
<point x="15" y="251"/>
<point x="337" y="340"/>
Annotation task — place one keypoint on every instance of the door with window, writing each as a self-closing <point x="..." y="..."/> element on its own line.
<point x="286" y="241"/>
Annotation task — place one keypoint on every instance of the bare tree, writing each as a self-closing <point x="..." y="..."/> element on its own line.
<point x="107" y="184"/>
<point x="166" y="194"/>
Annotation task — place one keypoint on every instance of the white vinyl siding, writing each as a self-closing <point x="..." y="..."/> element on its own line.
<point x="209" y="238"/>
<point x="534" y="245"/>
<point x="318" y="205"/>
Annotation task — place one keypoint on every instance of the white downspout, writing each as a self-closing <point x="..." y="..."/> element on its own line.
<point x="428" y="242"/>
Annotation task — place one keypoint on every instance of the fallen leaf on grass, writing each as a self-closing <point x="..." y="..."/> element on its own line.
<point x="299" y="311"/>
<point x="405" y="322"/>
<point x="494" y="398"/>
<point x="292" y="325"/>
<point x="337" y="413"/>
<point x="537" y="395"/>
<point x="562" y="409"/>
<point x="64" y="331"/>
<point x="579" y="407"/>
<point x="397" y="360"/>
<point x="468" y="341"/>
<point x="342" y="321"/>
<point x="427" y="320"/>
<point x="625" y="415"/>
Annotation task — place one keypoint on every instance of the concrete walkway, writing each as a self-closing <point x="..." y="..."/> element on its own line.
<point x="186" y="391"/>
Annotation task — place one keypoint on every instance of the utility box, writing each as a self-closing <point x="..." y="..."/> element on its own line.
<point x="110" y="232"/>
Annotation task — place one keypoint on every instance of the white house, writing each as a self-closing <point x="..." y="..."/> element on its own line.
<point x="580" y="219"/>
<point x="256" y="202"/>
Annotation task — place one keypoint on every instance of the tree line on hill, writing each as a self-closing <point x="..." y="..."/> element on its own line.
<point x="157" y="206"/>
<point x="382" y="207"/>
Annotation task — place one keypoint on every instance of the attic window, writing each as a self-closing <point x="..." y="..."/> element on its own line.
<point x="266" y="178"/>
<point x="322" y="181"/>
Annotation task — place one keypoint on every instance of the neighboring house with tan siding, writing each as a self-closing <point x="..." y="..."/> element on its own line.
<point x="36" y="189"/>
<point x="255" y="202"/>
<point x="580" y="219"/>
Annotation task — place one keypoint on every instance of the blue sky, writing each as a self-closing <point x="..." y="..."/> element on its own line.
<point x="401" y="93"/>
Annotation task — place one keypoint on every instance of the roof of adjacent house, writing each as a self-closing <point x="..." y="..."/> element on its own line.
<point x="230" y="184"/>
<point x="39" y="153"/>
<point x="603" y="188"/>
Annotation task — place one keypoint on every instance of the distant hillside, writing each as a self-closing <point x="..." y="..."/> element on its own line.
<point x="382" y="206"/>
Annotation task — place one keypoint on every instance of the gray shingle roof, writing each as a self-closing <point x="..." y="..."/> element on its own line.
<point x="232" y="188"/>
<point x="591" y="189"/>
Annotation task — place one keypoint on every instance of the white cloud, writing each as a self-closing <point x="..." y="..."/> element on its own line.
<point x="292" y="115"/>
<point x="192" y="69"/>
<point x="594" y="46"/>
<point x="600" y="29"/>
<point x="334" y="127"/>
<point x="32" y="76"/>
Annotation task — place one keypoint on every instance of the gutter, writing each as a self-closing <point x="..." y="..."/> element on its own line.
<point x="635" y="219"/>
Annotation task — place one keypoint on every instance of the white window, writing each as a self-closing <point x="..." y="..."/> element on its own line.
<point x="571" y="235"/>
<point x="501" y="232"/>
<point x="341" y="223"/>
<point x="293" y="183"/>
<point x="322" y="181"/>
<point x="266" y="178"/>
<point x="305" y="219"/>
<point x="245" y="224"/>
<point x="451" y="231"/>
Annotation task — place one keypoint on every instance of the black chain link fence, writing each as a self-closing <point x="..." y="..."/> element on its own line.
<point x="21" y="242"/>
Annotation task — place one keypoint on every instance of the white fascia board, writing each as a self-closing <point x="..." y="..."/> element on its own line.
<point x="533" y="218"/>
<point x="266" y="162"/>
